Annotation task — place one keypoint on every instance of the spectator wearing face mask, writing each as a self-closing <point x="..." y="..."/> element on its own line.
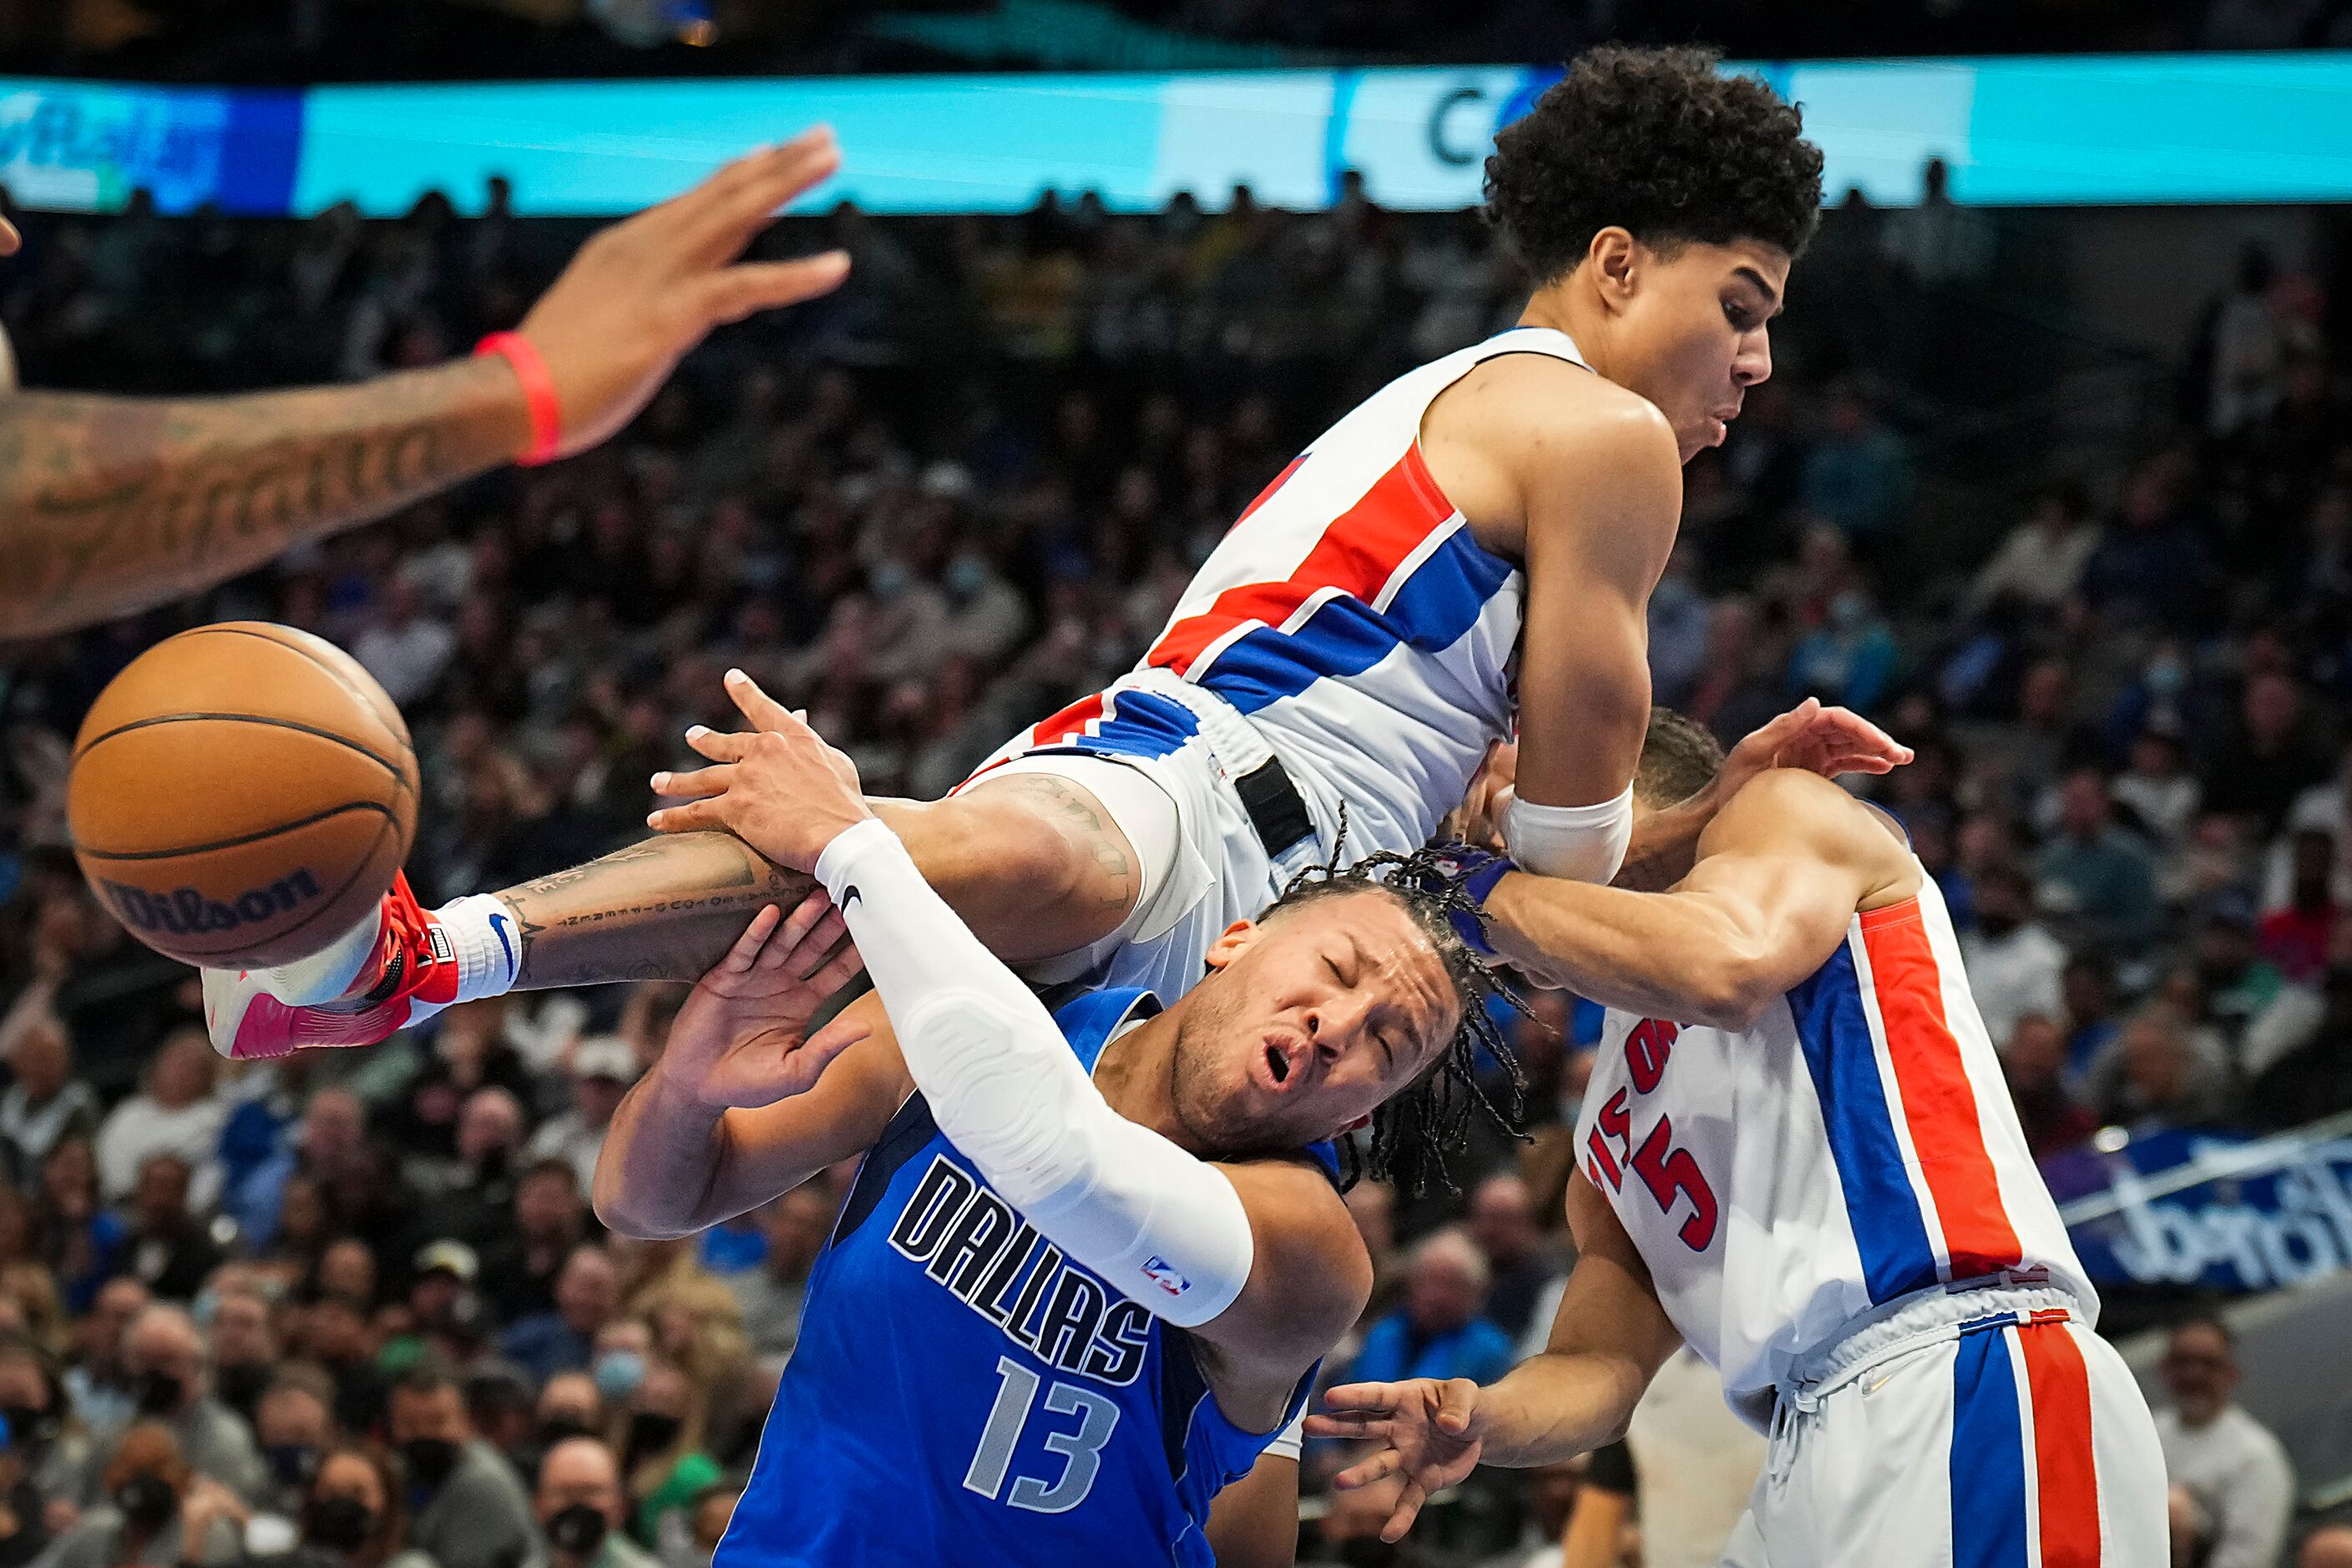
<point x="662" y="1457"/>
<point x="504" y="1409"/>
<point x="351" y="1517"/>
<point x="24" y="1523"/>
<point x="526" y="1253"/>
<point x="294" y="1421"/>
<point x="568" y="1407"/>
<point x="479" y="1194"/>
<point x="578" y="1503"/>
<point x="163" y="1363"/>
<point x="168" y="1246"/>
<point x="51" y="1446"/>
<point x="158" y="1512"/>
<point x="244" y="1347"/>
<point x="467" y="1507"/>
<point x="96" y="1382"/>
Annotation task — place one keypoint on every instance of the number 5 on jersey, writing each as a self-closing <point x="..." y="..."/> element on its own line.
<point x="1669" y="1173"/>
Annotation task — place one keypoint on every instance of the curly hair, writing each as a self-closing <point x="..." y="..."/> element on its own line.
<point x="1416" y="1129"/>
<point x="1661" y="143"/>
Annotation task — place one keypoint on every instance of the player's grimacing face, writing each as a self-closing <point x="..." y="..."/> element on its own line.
<point x="1317" y="1015"/>
<point x="1693" y="335"/>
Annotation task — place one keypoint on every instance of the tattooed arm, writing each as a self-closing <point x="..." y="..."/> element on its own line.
<point x="109" y="505"/>
<point x="1032" y="863"/>
<point x="114" y="504"/>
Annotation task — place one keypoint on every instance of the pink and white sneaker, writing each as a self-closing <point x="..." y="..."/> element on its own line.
<point x="362" y="990"/>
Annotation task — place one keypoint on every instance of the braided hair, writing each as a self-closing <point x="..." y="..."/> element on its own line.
<point x="1415" y="1130"/>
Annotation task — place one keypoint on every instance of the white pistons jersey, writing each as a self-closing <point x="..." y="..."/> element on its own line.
<point x="1350" y="615"/>
<point x="1788" y="1184"/>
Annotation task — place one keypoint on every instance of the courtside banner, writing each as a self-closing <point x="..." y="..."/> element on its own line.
<point x="2016" y="131"/>
<point x="2211" y="1209"/>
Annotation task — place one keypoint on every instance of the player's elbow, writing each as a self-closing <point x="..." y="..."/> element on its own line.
<point x="637" y="1209"/>
<point x="1732" y="989"/>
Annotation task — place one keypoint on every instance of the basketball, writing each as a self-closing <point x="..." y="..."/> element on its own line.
<point x="241" y="793"/>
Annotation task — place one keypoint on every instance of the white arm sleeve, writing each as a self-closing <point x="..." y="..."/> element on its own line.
<point x="1291" y="1441"/>
<point x="1161" y="1226"/>
<point x="1581" y="843"/>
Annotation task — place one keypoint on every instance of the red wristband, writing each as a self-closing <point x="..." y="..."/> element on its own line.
<point x="538" y="393"/>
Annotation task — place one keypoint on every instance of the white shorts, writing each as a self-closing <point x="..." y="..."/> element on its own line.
<point x="1989" y="1429"/>
<point x="1162" y="758"/>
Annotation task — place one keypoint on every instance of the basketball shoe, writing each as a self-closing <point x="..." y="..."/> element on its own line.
<point x="389" y="974"/>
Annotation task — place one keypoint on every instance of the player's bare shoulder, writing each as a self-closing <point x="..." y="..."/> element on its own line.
<point x="1785" y="811"/>
<point x="1521" y="435"/>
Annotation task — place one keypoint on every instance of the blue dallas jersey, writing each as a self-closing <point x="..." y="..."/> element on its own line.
<point x="961" y="1392"/>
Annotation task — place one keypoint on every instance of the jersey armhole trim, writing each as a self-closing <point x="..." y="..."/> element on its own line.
<point x="1896" y="913"/>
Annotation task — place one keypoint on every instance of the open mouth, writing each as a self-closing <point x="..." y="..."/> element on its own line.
<point x="1277" y="1063"/>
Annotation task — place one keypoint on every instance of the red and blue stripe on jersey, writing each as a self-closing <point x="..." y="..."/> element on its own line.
<point x="1889" y="1075"/>
<point x="2025" y="1488"/>
<point x="1397" y="568"/>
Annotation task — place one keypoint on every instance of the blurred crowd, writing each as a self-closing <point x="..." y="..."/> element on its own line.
<point x="354" y="1305"/>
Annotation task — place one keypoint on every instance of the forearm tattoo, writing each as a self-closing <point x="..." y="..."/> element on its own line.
<point x="667" y="909"/>
<point x="109" y="505"/>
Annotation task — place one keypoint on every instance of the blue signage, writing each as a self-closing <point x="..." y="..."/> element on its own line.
<point x="2212" y="1210"/>
<point x="2014" y="131"/>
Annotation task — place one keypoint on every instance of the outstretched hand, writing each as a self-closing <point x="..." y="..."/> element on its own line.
<point x="640" y="294"/>
<point x="1433" y="1431"/>
<point x="1818" y="739"/>
<point x="742" y="1039"/>
<point x="777" y="786"/>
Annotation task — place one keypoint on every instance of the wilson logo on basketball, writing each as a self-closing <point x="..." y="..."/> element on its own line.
<point x="187" y="912"/>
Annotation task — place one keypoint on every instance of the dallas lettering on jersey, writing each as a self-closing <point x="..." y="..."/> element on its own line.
<point x="977" y="1246"/>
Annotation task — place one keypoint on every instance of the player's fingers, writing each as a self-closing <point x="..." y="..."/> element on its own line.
<point x="746" y="951"/>
<point x="741" y="199"/>
<point x="1456" y="1397"/>
<point x="718" y="745"/>
<point x="805" y="917"/>
<point x="694" y="210"/>
<point x="765" y="711"/>
<point x="1408" y="1509"/>
<point x="1857" y="730"/>
<point x="1349" y="1424"/>
<point x="694" y="817"/>
<point x="816" y="949"/>
<point x="727" y="297"/>
<point x="838" y="972"/>
<point x="837" y="1036"/>
<point x="695" y="783"/>
<point x="1781" y="730"/>
<point x="1387" y="1462"/>
<point x="1379" y="1398"/>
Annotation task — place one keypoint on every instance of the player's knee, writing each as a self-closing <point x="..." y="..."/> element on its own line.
<point x="1017" y="841"/>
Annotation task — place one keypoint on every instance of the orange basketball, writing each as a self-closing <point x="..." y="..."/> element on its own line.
<point x="241" y="795"/>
